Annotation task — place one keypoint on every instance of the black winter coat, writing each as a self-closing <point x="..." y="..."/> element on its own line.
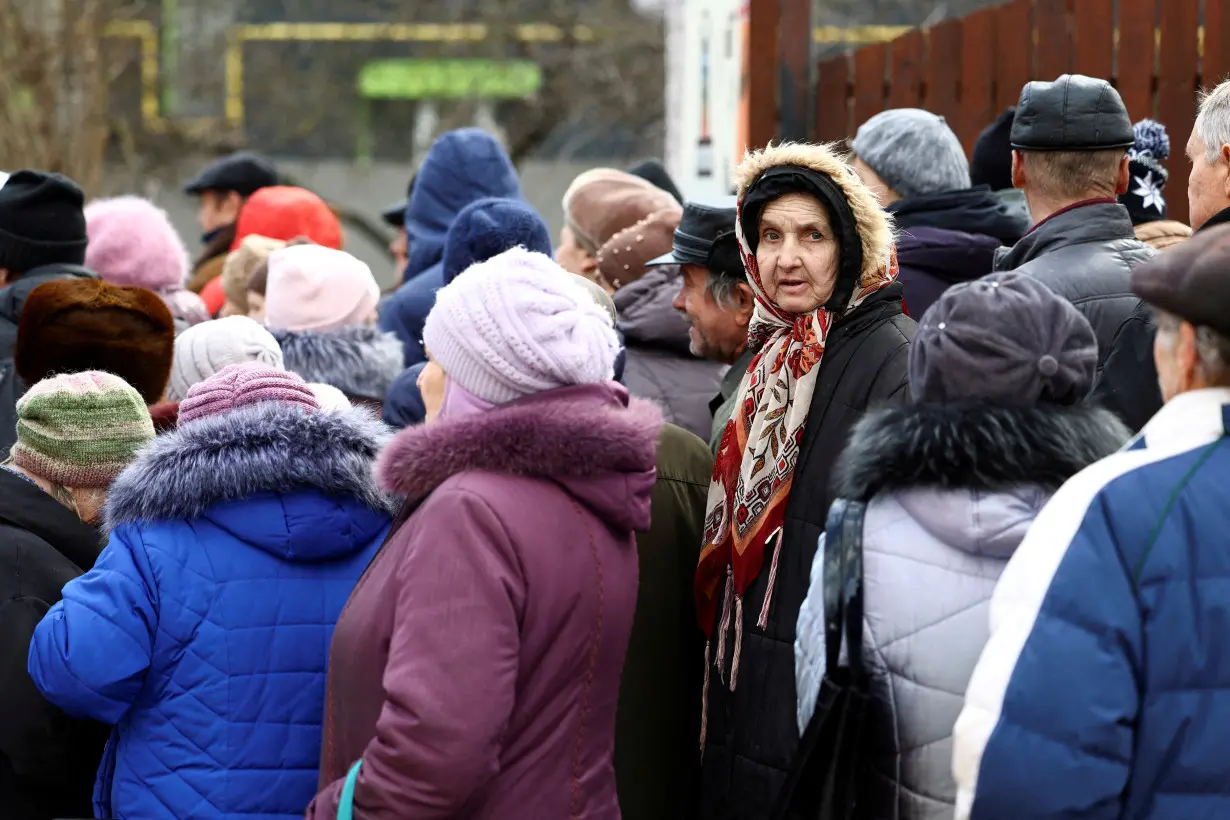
<point x="753" y="731"/>
<point x="13" y="298"/>
<point x="48" y="762"/>
<point x="1086" y="255"/>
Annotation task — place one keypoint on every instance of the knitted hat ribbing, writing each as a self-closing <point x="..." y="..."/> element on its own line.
<point x="80" y="429"/>
<point x="240" y="385"/>
<point x="519" y="324"/>
<point x="206" y="349"/>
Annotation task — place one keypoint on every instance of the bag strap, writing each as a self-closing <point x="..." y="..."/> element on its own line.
<point x="345" y="803"/>
<point x="843" y="584"/>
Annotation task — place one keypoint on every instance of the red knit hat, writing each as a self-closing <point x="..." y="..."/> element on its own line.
<point x="282" y="212"/>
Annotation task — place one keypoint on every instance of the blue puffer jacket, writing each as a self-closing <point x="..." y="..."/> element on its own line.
<point x="462" y="166"/>
<point x="1104" y="689"/>
<point x="202" y="632"/>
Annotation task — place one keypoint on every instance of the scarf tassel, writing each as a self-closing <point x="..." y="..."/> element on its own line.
<point x="704" y="703"/>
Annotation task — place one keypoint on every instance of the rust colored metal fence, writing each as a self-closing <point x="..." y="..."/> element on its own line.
<point x="1158" y="53"/>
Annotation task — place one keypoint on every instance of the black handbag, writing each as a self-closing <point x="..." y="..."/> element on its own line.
<point x="828" y="771"/>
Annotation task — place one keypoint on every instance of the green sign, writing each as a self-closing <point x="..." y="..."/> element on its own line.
<point x="449" y="79"/>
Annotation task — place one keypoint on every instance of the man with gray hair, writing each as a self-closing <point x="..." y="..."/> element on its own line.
<point x="714" y="297"/>
<point x="1070" y="140"/>
<point x="1208" y="149"/>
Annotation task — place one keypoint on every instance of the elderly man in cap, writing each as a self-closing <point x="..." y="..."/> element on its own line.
<point x="1106" y="666"/>
<point x="714" y="297"/>
<point x="1070" y="140"/>
<point x="221" y="190"/>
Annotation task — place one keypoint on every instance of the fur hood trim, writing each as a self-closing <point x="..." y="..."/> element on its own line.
<point x="260" y="448"/>
<point x="875" y="226"/>
<point x="572" y="436"/>
<point x="360" y="361"/>
<point x="974" y="447"/>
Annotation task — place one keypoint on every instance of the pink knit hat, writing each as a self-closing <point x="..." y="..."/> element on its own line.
<point x="132" y="242"/>
<point x="240" y="385"/>
<point x="311" y="287"/>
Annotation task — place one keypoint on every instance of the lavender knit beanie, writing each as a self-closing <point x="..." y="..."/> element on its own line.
<point x="240" y="385"/>
<point x="80" y="430"/>
<point x="519" y="324"/>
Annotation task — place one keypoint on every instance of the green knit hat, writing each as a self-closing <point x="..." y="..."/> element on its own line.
<point x="80" y="429"/>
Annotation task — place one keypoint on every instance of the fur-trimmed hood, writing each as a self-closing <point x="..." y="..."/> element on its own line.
<point x="360" y="361"/>
<point x="975" y="478"/>
<point x="974" y="447"/>
<point x="593" y="440"/>
<point x="874" y="225"/>
<point x="247" y="468"/>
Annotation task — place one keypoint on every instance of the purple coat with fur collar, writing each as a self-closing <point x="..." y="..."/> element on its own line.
<point x="476" y="668"/>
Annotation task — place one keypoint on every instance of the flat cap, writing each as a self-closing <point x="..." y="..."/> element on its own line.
<point x="1191" y="280"/>
<point x="1074" y="113"/>
<point x="700" y="229"/>
<point x="244" y="172"/>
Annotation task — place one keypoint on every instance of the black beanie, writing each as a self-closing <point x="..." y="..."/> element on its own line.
<point x="991" y="163"/>
<point x="42" y="221"/>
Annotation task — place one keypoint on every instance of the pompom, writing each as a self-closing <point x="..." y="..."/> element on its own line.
<point x="1151" y="139"/>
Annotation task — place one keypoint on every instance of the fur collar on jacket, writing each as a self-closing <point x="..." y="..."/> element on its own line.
<point x="360" y="361"/>
<point x="974" y="447"/>
<point x="567" y="433"/>
<point x="261" y="448"/>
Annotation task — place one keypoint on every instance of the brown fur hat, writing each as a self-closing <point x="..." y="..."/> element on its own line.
<point x="72" y="325"/>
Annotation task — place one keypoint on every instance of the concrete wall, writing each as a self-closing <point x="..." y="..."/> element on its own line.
<point x="368" y="189"/>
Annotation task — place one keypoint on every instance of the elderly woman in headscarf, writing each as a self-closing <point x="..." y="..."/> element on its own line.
<point x="834" y="339"/>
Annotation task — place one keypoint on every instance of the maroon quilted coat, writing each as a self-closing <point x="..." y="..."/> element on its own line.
<point x="476" y="668"/>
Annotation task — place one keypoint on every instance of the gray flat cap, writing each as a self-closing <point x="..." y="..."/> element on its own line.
<point x="1074" y="113"/>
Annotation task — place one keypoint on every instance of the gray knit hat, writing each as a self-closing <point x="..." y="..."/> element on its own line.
<point x="204" y="349"/>
<point x="913" y="151"/>
<point x="1005" y="339"/>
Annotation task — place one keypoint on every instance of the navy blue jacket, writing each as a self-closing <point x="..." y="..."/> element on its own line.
<point x="1104" y="689"/>
<point x="462" y="166"/>
<point x="202" y="632"/>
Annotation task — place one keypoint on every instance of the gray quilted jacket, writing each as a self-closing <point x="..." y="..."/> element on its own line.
<point x="951" y="492"/>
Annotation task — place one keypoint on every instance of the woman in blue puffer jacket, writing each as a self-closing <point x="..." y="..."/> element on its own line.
<point x="202" y="632"/>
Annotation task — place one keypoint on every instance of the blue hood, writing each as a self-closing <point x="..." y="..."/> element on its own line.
<point x="294" y="484"/>
<point x="461" y="167"/>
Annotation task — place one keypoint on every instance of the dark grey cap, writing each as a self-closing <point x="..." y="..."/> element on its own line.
<point x="1074" y="113"/>
<point x="244" y="172"/>
<point x="1005" y="339"/>
<point x="703" y="226"/>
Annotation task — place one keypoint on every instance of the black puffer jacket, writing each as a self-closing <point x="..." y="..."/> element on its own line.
<point x="47" y="761"/>
<point x="1086" y="254"/>
<point x="13" y="298"/>
<point x="753" y="731"/>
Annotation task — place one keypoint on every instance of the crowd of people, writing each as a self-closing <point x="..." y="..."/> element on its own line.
<point x="840" y="497"/>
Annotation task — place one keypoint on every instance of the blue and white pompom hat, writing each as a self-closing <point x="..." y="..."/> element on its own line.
<point x="1144" y="198"/>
